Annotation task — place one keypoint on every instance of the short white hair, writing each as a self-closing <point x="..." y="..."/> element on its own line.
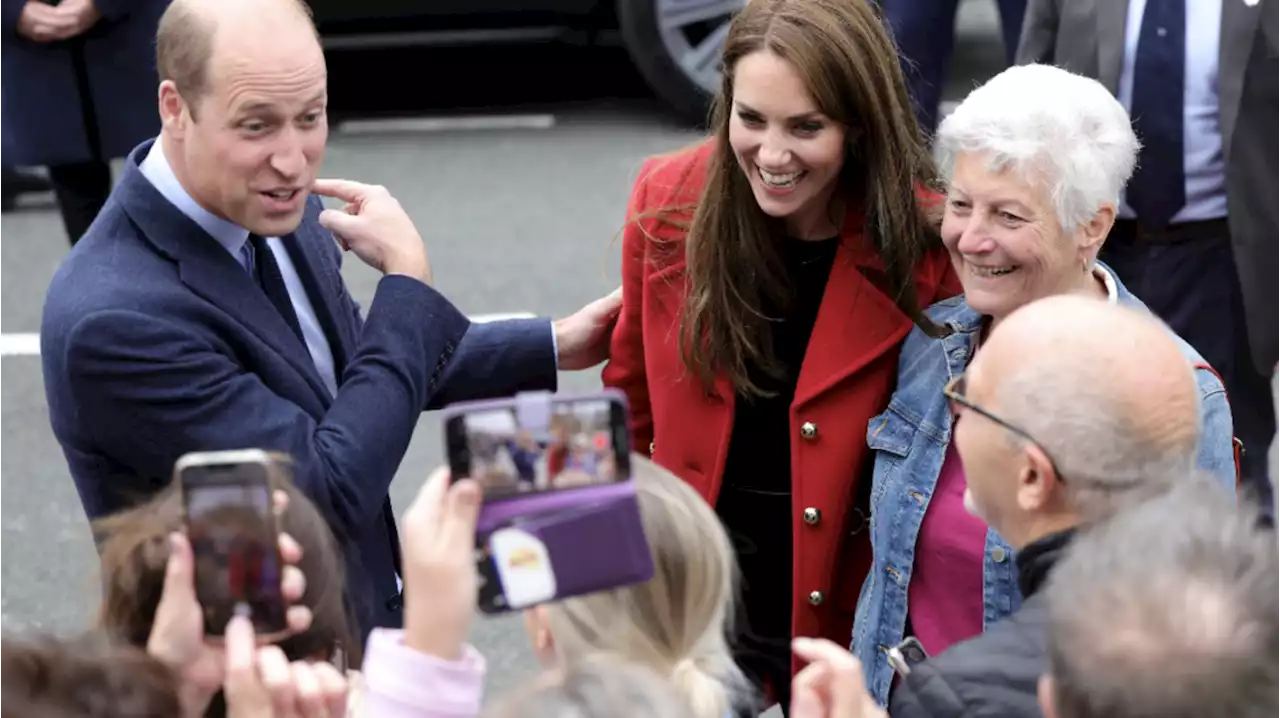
<point x="1047" y="125"/>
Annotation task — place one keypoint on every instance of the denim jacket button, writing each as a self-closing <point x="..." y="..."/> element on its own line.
<point x="998" y="554"/>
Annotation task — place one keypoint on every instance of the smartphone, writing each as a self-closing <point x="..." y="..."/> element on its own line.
<point x="538" y="442"/>
<point x="233" y="529"/>
<point x="560" y="516"/>
<point x="907" y="654"/>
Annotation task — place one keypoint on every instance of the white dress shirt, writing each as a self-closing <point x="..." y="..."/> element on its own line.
<point x="1201" y="135"/>
<point x="233" y="238"/>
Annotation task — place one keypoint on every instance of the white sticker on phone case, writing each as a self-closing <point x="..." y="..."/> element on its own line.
<point x="524" y="567"/>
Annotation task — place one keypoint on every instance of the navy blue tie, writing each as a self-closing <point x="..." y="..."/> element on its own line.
<point x="267" y="273"/>
<point x="1158" y="188"/>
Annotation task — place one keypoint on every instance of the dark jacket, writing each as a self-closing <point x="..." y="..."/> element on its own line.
<point x="155" y="342"/>
<point x="994" y="674"/>
<point x="45" y="110"/>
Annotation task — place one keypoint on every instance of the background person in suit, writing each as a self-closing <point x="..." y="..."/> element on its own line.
<point x="79" y="86"/>
<point x="1196" y="237"/>
<point x="925" y="33"/>
<point x="1252" y="175"/>
<point x="206" y="309"/>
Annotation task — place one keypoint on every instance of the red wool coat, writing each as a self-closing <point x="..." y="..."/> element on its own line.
<point x="847" y="376"/>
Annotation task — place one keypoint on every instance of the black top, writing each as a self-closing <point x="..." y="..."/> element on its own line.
<point x="993" y="674"/>
<point x="755" y="497"/>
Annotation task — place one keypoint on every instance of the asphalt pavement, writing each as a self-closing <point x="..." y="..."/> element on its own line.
<point x="519" y="215"/>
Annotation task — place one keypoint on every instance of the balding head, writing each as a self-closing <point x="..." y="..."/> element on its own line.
<point x="242" y="102"/>
<point x="1105" y="392"/>
<point x="189" y="31"/>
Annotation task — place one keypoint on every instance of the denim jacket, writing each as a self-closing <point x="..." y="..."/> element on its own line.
<point x="909" y="441"/>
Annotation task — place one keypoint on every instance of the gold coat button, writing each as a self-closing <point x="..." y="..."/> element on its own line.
<point x="812" y="516"/>
<point x="815" y="598"/>
<point x="809" y="430"/>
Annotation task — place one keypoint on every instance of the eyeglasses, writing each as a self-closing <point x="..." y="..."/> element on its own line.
<point x="954" y="391"/>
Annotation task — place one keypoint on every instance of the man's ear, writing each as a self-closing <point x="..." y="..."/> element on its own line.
<point x="1044" y="694"/>
<point x="1038" y="481"/>
<point x="174" y="113"/>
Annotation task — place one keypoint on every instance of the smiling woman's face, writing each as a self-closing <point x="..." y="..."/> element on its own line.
<point x="1005" y="239"/>
<point x="790" y="152"/>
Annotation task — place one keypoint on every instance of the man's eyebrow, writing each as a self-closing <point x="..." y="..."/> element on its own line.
<point x="265" y="105"/>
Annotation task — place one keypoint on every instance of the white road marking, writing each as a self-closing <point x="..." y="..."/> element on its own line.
<point x="486" y="318"/>
<point x="19" y="345"/>
<point x="473" y="123"/>
<point x="28" y="344"/>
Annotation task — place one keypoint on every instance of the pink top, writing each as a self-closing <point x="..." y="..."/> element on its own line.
<point x="944" y="598"/>
<point x="399" y="681"/>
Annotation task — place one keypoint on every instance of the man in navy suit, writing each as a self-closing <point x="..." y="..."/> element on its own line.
<point x="205" y="308"/>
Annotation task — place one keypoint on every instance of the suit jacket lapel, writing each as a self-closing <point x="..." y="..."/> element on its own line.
<point x="1112" y="19"/>
<point x="209" y="270"/>
<point x="319" y="277"/>
<point x="1239" y="30"/>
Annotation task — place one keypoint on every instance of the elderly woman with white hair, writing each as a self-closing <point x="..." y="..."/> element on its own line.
<point x="1034" y="162"/>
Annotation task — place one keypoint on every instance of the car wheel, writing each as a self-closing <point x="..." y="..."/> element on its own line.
<point x="676" y="45"/>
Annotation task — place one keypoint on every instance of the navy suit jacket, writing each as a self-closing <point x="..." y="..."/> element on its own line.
<point x="156" y="342"/>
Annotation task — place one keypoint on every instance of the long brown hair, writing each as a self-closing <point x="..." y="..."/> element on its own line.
<point x="134" y="547"/>
<point x="850" y="66"/>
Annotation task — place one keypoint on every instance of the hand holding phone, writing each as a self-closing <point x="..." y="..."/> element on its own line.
<point x="177" y="632"/>
<point x="233" y="529"/>
<point x="559" y="516"/>
<point x="437" y="537"/>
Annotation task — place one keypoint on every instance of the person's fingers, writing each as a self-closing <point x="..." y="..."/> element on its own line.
<point x="820" y="649"/>
<point x="844" y="683"/>
<point x="244" y="692"/>
<point x="809" y="678"/>
<point x="333" y="689"/>
<point x="279" y="501"/>
<point x="179" y="573"/>
<point x="428" y="504"/>
<point x="277" y="678"/>
<point x="307" y="696"/>
<point x="345" y="190"/>
<point x="458" y="526"/>
<point x="341" y="224"/>
<point x="293" y="584"/>
<point x="298" y="618"/>
<point x="290" y="549"/>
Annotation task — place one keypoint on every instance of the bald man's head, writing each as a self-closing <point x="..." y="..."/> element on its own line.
<point x="189" y="30"/>
<point x="1105" y="392"/>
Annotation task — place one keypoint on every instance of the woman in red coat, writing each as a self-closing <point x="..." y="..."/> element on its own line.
<point x="770" y="275"/>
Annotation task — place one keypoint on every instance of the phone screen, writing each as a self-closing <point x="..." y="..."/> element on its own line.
<point x="232" y="529"/>
<point x="521" y="449"/>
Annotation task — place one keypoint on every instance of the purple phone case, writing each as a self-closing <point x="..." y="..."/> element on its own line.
<point x="594" y="546"/>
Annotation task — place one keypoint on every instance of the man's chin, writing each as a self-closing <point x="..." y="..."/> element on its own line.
<point x="277" y="226"/>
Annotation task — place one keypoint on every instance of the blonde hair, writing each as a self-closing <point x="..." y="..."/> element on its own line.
<point x="677" y="623"/>
<point x="597" y="689"/>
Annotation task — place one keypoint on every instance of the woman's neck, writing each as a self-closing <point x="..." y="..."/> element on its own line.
<point x="817" y="224"/>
